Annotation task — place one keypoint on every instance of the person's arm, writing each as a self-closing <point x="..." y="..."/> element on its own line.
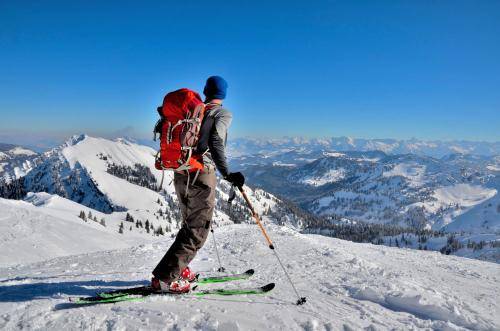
<point x="217" y="141"/>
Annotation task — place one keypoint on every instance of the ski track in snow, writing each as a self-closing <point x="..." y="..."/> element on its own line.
<point x="349" y="286"/>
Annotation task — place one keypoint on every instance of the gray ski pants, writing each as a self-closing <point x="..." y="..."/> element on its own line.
<point x="197" y="209"/>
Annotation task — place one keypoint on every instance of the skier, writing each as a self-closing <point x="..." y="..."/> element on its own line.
<point x="197" y="201"/>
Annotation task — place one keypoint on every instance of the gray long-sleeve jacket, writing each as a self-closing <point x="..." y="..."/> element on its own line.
<point x="213" y="137"/>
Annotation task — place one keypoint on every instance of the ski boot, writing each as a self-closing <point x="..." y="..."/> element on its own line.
<point x="179" y="286"/>
<point x="188" y="275"/>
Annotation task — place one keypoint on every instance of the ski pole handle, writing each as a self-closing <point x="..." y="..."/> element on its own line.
<point x="257" y="217"/>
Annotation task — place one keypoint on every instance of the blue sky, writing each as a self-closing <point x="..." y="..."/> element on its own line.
<point x="372" y="69"/>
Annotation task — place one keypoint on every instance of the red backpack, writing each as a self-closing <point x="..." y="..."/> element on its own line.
<point x="179" y="125"/>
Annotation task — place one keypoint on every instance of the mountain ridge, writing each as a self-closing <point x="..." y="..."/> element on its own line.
<point x="436" y="148"/>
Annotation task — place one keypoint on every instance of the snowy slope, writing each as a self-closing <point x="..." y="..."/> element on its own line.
<point x="465" y="196"/>
<point x="485" y="216"/>
<point x="349" y="287"/>
<point x="46" y="226"/>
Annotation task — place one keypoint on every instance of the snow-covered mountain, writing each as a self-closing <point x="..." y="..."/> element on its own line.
<point x="115" y="178"/>
<point x="406" y="189"/>
<point x="264" y="146"/>
<point x="15" y="162"/>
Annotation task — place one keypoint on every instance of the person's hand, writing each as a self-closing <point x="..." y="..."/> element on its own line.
<point x="236" y="178"/>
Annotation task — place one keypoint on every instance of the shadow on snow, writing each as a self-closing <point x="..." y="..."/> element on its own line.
<point x="34" y="291"/>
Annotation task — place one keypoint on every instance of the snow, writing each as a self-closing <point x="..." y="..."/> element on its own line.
<point x="21" y="151"/>
<point x="18" y="172"/>
<point x="333" y="154"/>
<point x="381" y="146"/>
<point x="29" y="233"/>
<point x="330" y="176"/>
<point x="85" y="151"/>
<point x="16" y="163"/>
<point x="433" y="243"/>
<point x="459" y="149"/>
<point x="249" y="146"/>
<point x="483" y="217"/>
<point x="464" y="194"/>
<point x="325" y="206"/>
<point x="282" y="164"/>
<point x="493" y="167"/>
<point x="349" y="287"/>
<point x="414" y="172"/>
<point x="326" y="201"/>
<point x="350" y="141"/>
<point x="367" y="159"/>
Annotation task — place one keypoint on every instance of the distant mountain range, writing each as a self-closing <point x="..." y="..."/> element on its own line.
<point x="457" y="191"/>
<point x="251" y="146"/>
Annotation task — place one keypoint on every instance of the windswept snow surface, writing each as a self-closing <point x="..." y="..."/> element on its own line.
<point x="348" y="286"/>
<point x="46" y="226"/>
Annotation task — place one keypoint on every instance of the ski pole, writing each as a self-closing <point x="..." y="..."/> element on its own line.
<point x="301" y="300"/>
<point x="221" y="268"/>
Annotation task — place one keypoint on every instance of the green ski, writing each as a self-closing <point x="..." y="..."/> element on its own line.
<point x="147" y="291"/>
<point x="225" y="278"/>
<point x="199" y="280"/>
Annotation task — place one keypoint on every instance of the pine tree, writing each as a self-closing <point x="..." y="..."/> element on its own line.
<point x="83" y="216"/>
<point x="103" y="222"/>
<point x="120" y="229"/>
